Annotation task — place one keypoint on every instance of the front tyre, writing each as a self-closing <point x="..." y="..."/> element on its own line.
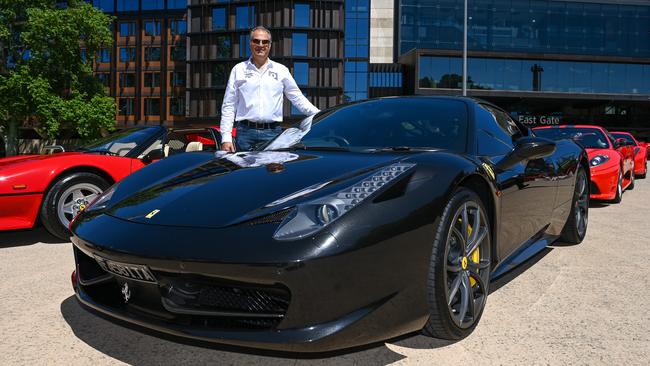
<point x="575" y="228"/>
<point x="619" y="188"/>
<point x="459" y="273"/>
<point x="66" y="198"/>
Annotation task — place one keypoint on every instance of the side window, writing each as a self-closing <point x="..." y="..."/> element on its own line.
<point x="493" y="139"/>
<point x="504" y="121"/>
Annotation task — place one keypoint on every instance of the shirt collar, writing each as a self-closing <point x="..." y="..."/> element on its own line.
<point x="268" y="65"/>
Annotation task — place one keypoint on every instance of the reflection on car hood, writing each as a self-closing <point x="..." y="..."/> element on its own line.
<point x="227" y="190"/>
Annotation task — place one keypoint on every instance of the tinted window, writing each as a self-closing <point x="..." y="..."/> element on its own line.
<point x="624" y="136"/>
<point x="301" y="73"/>
<point x="410" y="122"/>
<point x="492" y="139"/>
<point x="301" y="15"/>
<point x="219" y="18"/>
<point x="152" y="28"/>
<point x="127" y="5"/>
<point x="299" y="44"/>
<point x="152" y="4"/>
<point x="245" y="17"/>
<point x="590" y="138"/>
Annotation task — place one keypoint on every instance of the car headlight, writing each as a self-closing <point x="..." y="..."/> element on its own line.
<point x="598" y="160"/>
<point x="102" y="201"/>
<point x="310" y="217"/>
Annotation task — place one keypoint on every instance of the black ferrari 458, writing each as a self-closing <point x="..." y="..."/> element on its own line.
<point x="365" y="222"/>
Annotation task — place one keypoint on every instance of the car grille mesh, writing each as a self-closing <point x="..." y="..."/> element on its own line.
<point x="248" y="300"/>
<point x="271" y="218"/>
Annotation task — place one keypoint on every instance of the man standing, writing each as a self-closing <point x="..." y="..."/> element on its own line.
<point x="254" y="96"/>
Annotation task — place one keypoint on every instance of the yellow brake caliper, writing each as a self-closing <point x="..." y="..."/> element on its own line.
<point x="475" y="256"/>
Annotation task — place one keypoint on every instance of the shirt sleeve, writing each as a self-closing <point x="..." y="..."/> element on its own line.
<point x="296" y="97"/>
<point x="228" y="108"/>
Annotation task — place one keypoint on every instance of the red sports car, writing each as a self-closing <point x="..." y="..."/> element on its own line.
<point x="640" y="153"/>
<point x="56" y="187"/>
<point x="611" y="161"/>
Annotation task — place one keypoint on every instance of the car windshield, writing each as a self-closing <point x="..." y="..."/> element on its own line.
<point x="589" y="138"/>
<point x="121" y="142"/>
<point x="399" y="124"/>
<point x="624" y="136"/>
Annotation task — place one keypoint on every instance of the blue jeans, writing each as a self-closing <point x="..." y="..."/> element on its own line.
<point x="248" y="137"/>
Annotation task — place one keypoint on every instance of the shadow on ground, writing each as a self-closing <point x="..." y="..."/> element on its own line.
<point x="17" y="238"/>
<point x="139" y="346"/>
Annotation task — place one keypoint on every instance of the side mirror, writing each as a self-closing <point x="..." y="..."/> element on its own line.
<point x="527" y="148"/>
<point x="152" y="155"/>
<point x="619" y="143"/>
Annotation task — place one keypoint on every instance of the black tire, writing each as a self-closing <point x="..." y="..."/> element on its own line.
<point x="631" y="186"/>
<point x="619" y="188"/>
<point x="54" y="214"/>
<point x="453" y="267"/>
<point x="575" y="228"/>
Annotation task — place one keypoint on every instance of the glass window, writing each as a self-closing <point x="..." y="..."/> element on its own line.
<point x="245" y="17"/>
<point x="104" y="55"/>
<point x="152" y="53"/>
<point x="244" y="45"/>
<point x="152" y="28"/>
<point x="127" y="29"/>
<point x="177" y="107"/>
<point x="153" y="4"/>
<point x="127" y="54"/>
<point x="299" y="44"/>
<point x="127" y="5"/>
<point x="218" y="75"/>
<point x="178" y="27"/>
<point x="178" y="78"/>
<point x="151" y="79"/>
<point x="105" y="5"/>
<point x="176" y="4"/>
<point x="219" y="19"/>
<point x="492" y="139"/>
<point x="152" y="106"/>
<point x="301" y="15"/>
<point x="125" y="107"/>
<point x="178" y="53"/>
<point x="301" y="73"/>
<point x="223" y="47"/>
<point x="127" y="80"/>
<point x="104" y="78"/>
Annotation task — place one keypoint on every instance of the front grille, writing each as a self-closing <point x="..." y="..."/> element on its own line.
<point x="237" y="299"/>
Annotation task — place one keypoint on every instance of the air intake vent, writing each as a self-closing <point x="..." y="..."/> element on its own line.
<point x="277" y="216"/>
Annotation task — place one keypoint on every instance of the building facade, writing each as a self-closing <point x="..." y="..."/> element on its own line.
<point x="547" y="62"/>
<point x="145" y="70"/>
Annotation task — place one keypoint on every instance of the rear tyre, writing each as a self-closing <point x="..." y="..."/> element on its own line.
<point x="619" y="188"/>
<point x="459" y="273"/>
<point x="66" y="198"/>
<point x="575" y="228"/>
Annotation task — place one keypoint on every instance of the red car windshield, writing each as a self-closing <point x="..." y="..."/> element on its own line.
<point x="122" y="142"/>
<point x="589" y="138"/>
<point x="624" y="136"/>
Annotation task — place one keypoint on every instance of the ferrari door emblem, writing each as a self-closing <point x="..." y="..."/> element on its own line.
<point x="152" y="213"/>
<point x="126" y="292"/>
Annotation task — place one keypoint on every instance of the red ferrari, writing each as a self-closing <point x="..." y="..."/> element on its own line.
<point x="611" y="161"/>
<point x="640" y="153"/>
<point x="55" y="187"/>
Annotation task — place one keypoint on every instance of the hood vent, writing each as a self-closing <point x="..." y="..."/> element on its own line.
<point x="277" y="216"/>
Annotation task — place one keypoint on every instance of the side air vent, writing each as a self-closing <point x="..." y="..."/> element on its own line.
<point x="277" y="216"/>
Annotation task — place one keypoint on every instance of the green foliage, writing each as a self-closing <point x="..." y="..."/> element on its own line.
<point x="44" y="80"/>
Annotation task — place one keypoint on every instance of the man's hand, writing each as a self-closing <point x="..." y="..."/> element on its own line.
<point x="228" y="146"/>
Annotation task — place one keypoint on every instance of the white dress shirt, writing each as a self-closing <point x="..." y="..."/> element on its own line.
<point x="256" y="95"/>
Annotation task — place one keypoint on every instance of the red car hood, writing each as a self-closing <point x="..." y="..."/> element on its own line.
<point x="22" y="159"/>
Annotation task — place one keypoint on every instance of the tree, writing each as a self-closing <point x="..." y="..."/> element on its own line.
<point x="46" y="59"/>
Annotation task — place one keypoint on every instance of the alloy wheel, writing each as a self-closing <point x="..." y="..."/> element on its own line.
<point x="582" y="204"/>
<point x="467" y="264"/>
<point x="75" y="199"/>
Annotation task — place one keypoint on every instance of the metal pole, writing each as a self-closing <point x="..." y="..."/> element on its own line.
<point x="465" y="50"/>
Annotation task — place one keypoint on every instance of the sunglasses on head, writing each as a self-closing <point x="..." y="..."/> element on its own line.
<point x="264" y="42"/>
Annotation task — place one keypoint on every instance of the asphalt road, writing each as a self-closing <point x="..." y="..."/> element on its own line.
<point x="584" y="304"/>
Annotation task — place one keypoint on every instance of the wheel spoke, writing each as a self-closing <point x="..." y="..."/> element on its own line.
<point x="461" y="238"/>
<point x="475" y="226"/>
<point x="464" y="225"/>
<point x="77" y="195"/>
<point x="91" y="197"/>
<point x="453" y="268"/>
<point x="454" y="289"/>
<point x="67" y="208"/>
<point x="464" y="298"/>
<point x="478" y="239"/>
<point x="470" y="300"/>
<point x="478" y="266"/>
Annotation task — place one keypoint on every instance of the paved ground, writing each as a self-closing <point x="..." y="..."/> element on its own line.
<point x="584" y="304"/>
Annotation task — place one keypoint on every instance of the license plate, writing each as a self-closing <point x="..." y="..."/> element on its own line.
<point x="136" y="272"/>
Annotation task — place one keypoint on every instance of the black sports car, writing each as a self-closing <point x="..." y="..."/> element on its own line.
<point x="368" y="221"/>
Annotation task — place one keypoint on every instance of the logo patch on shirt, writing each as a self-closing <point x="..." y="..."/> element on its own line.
<point x="273" y="75"/>
<point x="248" y="74"/>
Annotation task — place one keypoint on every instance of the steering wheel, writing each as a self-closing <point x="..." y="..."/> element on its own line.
<point x="339" y="140"/>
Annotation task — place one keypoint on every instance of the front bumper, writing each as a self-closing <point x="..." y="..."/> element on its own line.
<point x="604" y="180"/>
<point x="338" y="301"/>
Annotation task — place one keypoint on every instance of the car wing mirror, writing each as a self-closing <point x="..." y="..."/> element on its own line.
<point x="152" y="155"/>
<point x="527" y="148"/>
